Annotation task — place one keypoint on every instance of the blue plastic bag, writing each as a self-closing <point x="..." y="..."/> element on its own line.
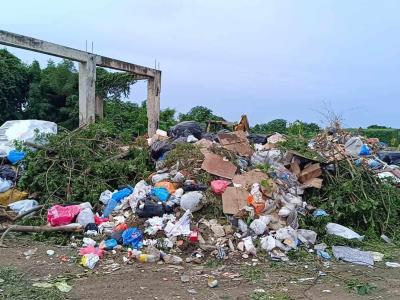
<point x="161" y="193"/>
<point x="320" y="213"/>
<point x="116" y="198"/>
<point x="323" y="254"/>
<point x="121" y="194"/>
<point x="15" y="156"/>
<point x="133" y="237"/>
<point x="365" y="150"/>
<point x="109" y="244"/>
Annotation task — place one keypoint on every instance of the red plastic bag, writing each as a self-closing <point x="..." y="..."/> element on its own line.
<point x="91" y="250"/>
<point x="219" y="186"/>
<point x="58" y="215"/>
<point x="98" y="220"/>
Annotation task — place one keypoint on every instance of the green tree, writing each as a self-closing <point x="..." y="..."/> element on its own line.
<point x="277" y="125"/>
<point x="14" y="86"/>
<point x="51" y="90"/>
<point x="200" y="114"/>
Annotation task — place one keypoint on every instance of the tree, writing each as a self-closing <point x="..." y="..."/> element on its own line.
<point x="51" y="90"/>
<point x="277" y="125"/>
<point x="200" y="114"/>
<point x="14" y="86"/>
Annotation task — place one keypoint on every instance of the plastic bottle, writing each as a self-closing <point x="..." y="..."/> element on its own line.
<point x="153" y="256"/>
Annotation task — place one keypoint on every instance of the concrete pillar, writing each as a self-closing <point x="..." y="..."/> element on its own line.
<point x="99" y="107"/>
<point x="153" y="103"/>
<point x="87" y="91"/>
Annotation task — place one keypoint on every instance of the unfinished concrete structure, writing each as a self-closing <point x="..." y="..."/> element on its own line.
<point x="91" y="106"/>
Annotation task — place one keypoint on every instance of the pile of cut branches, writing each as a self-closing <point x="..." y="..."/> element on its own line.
<point x="356" y="197"/>
<point x="76" y="166"/>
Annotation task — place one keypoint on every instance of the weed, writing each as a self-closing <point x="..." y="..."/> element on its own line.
<point x="361" y="288"/>
<point x="188" y="157"/>
<point x="253" y="273"/>
<point x="260" y="295"/>
<point x="214" y="263"/>
<point x="16" y="287"/>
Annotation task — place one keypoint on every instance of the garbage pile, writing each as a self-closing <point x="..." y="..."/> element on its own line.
<point x="224" y="195"/>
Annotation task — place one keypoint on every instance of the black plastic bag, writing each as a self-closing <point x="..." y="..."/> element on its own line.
<point x="258" y="138"/>
<point x="184" y="129"/>
<point x="158" y="148"/>
<point x="390" y="157"/>
<point x="7" y="172"/>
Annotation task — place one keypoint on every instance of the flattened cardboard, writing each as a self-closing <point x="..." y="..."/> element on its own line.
<point x="237" y="142"/>
<point x="234" y="199"/>
<point x="216" y="165"/>
<point x="310" y="172"/>
<point x="247" y="179"/>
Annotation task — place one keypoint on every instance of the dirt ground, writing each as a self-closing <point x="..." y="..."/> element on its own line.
<point x="237" y="278"/>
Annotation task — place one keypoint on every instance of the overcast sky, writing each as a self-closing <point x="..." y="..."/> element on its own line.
<point x="268" y="59"/>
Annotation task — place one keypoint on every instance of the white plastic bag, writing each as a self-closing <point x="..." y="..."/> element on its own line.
<point x="268" y="243"/>
<point x="105" y="197"/>
<point x="344" y="232"/>
<point x="5" y="185"/>
<point x="192" y="201"/>
<point x="260" y="225"/>
<point x="23" y="206"/>
<point x="141" y="190"/>
<point x="249" y="246"/>
<point x="85" y="217"/>
<point x="22" y="130"/>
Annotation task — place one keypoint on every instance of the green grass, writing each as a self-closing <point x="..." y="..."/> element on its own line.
<point x="266" y="296"/>
<point x="253" y="273"/>
<point x="214" y="263"/>
<point x="16" y="287"/>
<point x="360" y="288"/>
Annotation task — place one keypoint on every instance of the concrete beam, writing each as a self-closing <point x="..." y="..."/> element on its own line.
<point x="28" y="43"/>
<point x="125" y="66"/>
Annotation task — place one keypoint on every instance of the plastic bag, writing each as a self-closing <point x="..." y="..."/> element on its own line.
<point x="89" y="260"/>
<point x="91" y="250"/>
<point x="23" y="130"/>
<point x="354" y="256"/>
<point x="260" y="225"/>
<point x="105" y="197"/>
<point x="7" y="172"/>
<point x="59" y="215"/>
<point x="182" y="227"/>
<point x="161" y="193"/>
<point x="85" y="217"/>
<point x="192" y="201"/>
<point x="184" y="129"/>
<point x="159" y="148"/>
<point x="171" y="187"/>
<point x="15" y="156"/>
<point x="108" y="244"/>
<point x="268" y="243"/>
<point x="133" y="237"/>
<point x="23" y="206"/>
<point x="5" y="185"/>
<point x="307" y="236"/>
<point x="159" y="177"/>
<point x="140" y="192"/>
<point x="257" y="138"/>
<point x="219" y="186"/>
<point x="339" y="230"/>
<point x="353" y="146"/>
<point x="365" y="150"/>
<point x="11" y="196"/>
<point x="249" y="246"/>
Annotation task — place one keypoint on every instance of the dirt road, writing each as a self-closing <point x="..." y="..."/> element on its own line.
<point x="237" y="278"/>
